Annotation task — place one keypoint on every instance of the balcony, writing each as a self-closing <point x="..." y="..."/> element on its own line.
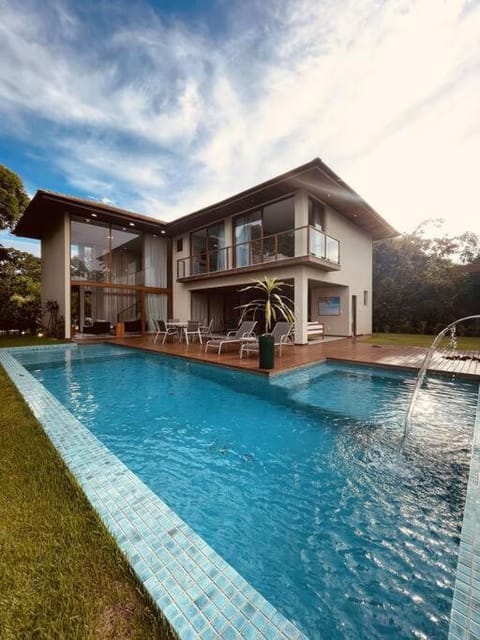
<point x="305" y="244"/>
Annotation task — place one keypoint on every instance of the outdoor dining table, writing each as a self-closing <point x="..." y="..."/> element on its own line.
<point x="181" y="328"/>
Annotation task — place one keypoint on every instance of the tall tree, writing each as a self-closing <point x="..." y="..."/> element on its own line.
<point x="418" y="284"/>
<point x="13" y="198"/>
<point x="20" y="306"/>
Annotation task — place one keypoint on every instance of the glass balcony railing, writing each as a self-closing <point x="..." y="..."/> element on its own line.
<point x="293" y="243"/>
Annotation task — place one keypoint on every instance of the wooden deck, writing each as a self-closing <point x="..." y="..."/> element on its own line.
<point x="345" y="350"/>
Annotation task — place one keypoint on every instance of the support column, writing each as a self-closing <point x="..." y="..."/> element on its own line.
<point x="301" y="308"/>
<point x="67" y="301"/>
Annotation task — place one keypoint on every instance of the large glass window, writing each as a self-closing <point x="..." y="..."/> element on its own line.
<point x="98" y="309"/>
<point x="278" y="224"/>
<point x="111" y="253"/>
<point x="316" y="220"/>
<point x="156" y="307"/>
<point x="156" y="257"/>
<point x="126" y="256"/>
<point x="90" y="251"/>
<point x="124" y="261"/>
<point x="316" y="214"/>
<point x="248" y="239"/>
<point x="208" y="249"/>
<point x="265" y="234"/>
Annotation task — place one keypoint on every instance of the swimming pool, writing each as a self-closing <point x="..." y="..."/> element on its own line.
<point x="296" y="481"/>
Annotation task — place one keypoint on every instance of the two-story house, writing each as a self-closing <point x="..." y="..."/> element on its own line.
<point x="305" y="227"/>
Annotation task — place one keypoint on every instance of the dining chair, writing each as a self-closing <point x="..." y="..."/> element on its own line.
<point x="193" y="329"/>
<point x="162" y="329"/>
<point x="206" y="329"/>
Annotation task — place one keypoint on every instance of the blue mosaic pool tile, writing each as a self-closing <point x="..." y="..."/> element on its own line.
<point x="208" y="634"/>
<point x="43" y="347"/>
<point x="465" y="616"/>
<point x="199" y="594"/>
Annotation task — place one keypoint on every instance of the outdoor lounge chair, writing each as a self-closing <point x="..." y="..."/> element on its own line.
<point x="245" y="330"/>
<point x="282" y="335"/>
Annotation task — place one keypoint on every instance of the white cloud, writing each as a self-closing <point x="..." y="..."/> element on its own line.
<point x="165" y="117"/>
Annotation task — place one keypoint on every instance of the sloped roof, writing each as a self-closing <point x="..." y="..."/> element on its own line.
<point x="46" y="206"/>
<point x="315" y="177"/>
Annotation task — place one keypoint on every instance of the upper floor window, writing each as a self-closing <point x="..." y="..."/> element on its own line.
<point x="90" y="251"/>
<point x="316" y="214"/>
<point x="207" y="247"/>
<point x="264" y="233"/>
<point x="101" y="252"/>
<point x="126" y="256"/>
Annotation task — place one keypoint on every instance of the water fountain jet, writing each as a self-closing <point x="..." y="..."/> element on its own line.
<point x="424" y="368"/>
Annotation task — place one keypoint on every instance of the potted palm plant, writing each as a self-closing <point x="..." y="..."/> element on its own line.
<point x="272" y="304"/>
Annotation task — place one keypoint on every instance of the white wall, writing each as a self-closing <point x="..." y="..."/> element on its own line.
<point x="334" y="325"/>
<point x="355" y="273"/>
<point x="56" y="269"/>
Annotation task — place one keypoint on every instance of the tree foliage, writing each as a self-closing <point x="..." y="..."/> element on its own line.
<point x="20" y="306"/>
<point x="13" y="199"/>
<point x="418" y="283"/>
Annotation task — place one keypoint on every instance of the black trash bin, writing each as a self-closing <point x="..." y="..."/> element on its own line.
<point x="266" y="351"/>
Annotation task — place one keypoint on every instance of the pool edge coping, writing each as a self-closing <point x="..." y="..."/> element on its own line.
<point x="465" y="611"/>
<point x="196" y="590"/>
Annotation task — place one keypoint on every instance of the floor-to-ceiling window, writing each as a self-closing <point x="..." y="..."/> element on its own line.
<point x="90" y="251"/>
<point x="316" y="221"/>
<point x="267" y="233"/>
<point x="248" y="235"/>
<point x="133" y="269"/>
<point x="208" y="249"/>
<point x="126" y="256"/>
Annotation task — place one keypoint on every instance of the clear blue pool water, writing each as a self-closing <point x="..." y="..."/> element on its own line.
<point x="297" y="482"/>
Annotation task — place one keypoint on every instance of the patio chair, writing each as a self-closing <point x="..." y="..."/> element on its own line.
<point x="193" y="329"/>
<point x="206" y="329"/>
<point x="244" y="331"/>
<point x="282" y="334"/>
<point x="161" y="329"/>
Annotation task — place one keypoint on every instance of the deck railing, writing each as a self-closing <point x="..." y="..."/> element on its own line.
<point x="293" y="243"/>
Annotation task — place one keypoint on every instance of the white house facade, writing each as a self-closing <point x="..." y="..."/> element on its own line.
<point x="107" y="267"/>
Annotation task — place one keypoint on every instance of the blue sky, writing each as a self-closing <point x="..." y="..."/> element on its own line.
<point x="164" y="107"/>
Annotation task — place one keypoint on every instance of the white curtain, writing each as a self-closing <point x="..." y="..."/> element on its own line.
<point x="108" y="303"/>
<point x="199" y="306"/>
<point x="216" y="303"/>
<point x="156" y="308"/>
<point x="156" y="257"/>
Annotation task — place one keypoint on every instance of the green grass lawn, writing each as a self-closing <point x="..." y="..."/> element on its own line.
<point x="61" y="574"/>
<point x="417" y="340"/>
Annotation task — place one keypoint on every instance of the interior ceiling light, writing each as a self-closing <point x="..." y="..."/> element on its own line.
<point x="163" y="231"/>
<point x="94" y="215"/>
<point x="131" y="224"/>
